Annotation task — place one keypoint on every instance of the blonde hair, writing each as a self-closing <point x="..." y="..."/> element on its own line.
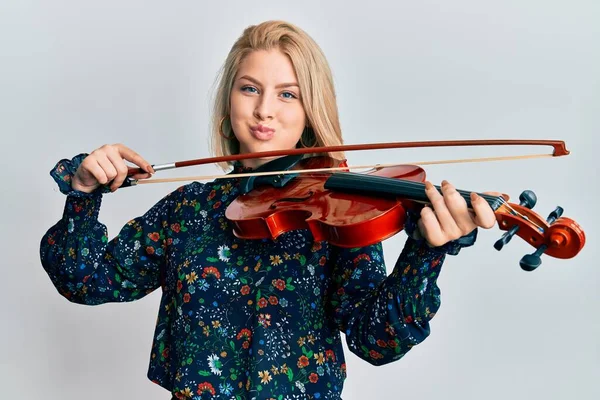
<point x="314" y="78"/>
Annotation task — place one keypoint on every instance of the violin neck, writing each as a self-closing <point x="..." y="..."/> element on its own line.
<point x="393" y="187"/>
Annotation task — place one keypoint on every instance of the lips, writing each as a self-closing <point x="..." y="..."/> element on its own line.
<point x="262" y="132"/>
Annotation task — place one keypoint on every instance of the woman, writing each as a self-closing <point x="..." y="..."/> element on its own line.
<point x="254" y="319"/>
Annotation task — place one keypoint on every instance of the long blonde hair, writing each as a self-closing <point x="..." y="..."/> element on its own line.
<point x="314" y="78"/>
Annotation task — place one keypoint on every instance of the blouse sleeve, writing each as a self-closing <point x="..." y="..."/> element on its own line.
<point x="88" y="268"/>
<point x="382" y="316"/>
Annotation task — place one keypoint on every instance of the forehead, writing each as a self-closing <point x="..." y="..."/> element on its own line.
<point x="269" y="67"/>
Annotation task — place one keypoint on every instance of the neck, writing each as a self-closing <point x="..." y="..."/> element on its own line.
<point x="383" y="186"/>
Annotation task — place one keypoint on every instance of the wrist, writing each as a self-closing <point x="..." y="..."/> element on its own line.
<point x="78" y="186"/>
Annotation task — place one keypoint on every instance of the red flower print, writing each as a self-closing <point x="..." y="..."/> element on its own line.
<point x="217" y="205"/>
<point x="186" y="298"/>
<point x="302" y="362"/>
<point x="392" y="344"/>
<point x="245" y="290"/>
<point x="360" y="257"/>
<point x="246" y="344"/>
<point x="150" y="250"/>
<point x="211" y="271"/>
<point x="165" y="352"/>
<point x="244" y="333"/>
<point x="313" y="378"/>
<point x="330" y="355"/>
<point x="322" y="261"/>
<point x="279" y="284"/>
<point x="273" y="300"/>
<point x="176" y="228"/>
<point x="154" y="236"/>
<point x="179" y="286"/>
<point x="375" y="355"/>
<point x="408" y="319"/>
<point x="206" y="387"/>
<point x="262" y="302"/>
<point x="381" y="343"/>
<point x="211" y="195"/>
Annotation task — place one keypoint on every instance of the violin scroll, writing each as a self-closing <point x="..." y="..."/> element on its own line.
<point x="555" y="236"/>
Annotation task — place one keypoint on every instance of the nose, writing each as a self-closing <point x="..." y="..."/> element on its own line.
<point x="265" y="108"/>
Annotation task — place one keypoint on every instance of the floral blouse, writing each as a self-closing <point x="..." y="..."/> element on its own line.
<point x="243" y="319"/>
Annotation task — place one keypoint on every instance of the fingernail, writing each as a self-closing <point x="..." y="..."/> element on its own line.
<point x="428" y="185"/>
<point x="444" y="183"/>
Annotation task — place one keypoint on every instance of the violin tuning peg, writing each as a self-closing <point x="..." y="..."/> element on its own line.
<point x="508" y="235"/>
<point x="529" y="262"/>
<point x="528" y="199"/>
<point x="554" y="215"/>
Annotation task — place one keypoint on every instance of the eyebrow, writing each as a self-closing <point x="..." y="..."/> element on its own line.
<point x="281" y="85"/>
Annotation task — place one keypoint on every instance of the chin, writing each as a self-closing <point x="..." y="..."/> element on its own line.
<point x="259" y="146"/>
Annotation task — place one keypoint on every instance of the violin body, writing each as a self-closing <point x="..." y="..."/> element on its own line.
<point x="345" y="220"/>
<point x="354" y="210"/>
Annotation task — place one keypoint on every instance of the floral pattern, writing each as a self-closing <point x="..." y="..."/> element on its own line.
<point x="243" y="319"/>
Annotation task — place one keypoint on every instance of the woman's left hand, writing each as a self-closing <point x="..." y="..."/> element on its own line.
<point x="449" y="218"/>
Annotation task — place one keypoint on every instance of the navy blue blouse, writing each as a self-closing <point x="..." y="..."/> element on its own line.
<point x="243" y="319"/>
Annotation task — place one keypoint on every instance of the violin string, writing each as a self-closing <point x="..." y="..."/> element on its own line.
<point x="515" y="212"/>
<point x="416" y="190"/>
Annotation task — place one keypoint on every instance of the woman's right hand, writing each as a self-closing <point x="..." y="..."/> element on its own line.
<point x="106" y="164"/>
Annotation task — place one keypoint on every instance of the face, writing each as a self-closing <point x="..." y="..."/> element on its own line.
<point x="266" y="107"/>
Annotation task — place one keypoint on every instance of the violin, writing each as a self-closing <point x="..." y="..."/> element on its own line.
<point x="350" y="209"/>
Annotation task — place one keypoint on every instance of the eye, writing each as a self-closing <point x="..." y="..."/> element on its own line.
<point x="291" y="95"/>
<point x="248" y="89"/>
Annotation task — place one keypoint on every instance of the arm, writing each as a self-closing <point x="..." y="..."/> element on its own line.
<point x="383" y="316"/>
<point x="88" y="268"/>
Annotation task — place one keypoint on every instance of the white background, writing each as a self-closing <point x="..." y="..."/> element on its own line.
<point x="77" y="74"/>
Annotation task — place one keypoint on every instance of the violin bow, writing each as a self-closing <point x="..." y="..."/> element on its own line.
<point x="559" y="149"/>
<point x="565" y="237"/>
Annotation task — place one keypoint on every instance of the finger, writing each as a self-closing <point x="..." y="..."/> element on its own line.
<point x="132" y="156"/>
<point x="120" y="167"/>
<point x="484" y="215"/>
<point x="457" y="206"/>
<point x="107" y="166"/>
<point x="429" y="227"/>
<point x="445" y="218"/>
<point x="94" y="169"/>
<point x="144" y="175"/>
<point x="498" y="194"/>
